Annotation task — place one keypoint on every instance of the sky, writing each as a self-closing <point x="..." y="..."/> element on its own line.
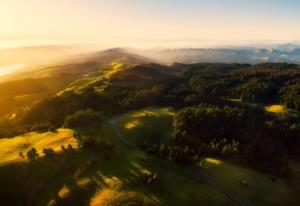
<point x="149" y="23"/>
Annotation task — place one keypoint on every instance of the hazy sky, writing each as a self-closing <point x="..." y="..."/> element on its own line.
<point x="150" y="22"/>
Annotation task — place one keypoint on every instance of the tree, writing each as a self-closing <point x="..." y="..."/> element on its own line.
<point x="32" y="154"/>
<point x="49" y="152"/>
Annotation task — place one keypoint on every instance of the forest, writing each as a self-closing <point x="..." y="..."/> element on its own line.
<point x="221" y="109"/>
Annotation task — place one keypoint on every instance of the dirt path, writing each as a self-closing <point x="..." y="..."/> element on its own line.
<point x="200" y="173"/>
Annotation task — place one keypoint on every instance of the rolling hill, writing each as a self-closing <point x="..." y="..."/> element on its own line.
<point x="25" y="87"/>
<point x="144" y="133"/>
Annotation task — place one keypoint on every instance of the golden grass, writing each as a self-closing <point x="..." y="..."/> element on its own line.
<point x="11" y="147"/>
<point x="235" y="100"/>
<point x="209" y="163"/>
<point x="111" y="182"/>
<point x="132" y="124"/>
<point x="276" y="108"/>
<point x="108" y="197"/>
<point x="116" y="67"/>
<point x="153" y="112"/>
<point x="135" y="118"/>
<point x="64" y="192"/>
<point x="105" y="197"/>
<point x="52" y="202"/>
<point x="13" y="116"/>
<point x="140" y="169"/>
<point x="213" y="161"/>
<point x="262" y="189"/>
<point x="84" y="182"/>
<point x="79" y="85"/>
<point x="146" y="113"/>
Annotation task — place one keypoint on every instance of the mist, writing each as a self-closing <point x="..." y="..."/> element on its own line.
<point x="41" y="56"/>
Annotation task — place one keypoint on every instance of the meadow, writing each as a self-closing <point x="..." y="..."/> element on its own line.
<point x="12" y="147"/>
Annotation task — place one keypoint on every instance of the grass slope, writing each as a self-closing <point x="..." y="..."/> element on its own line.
<point x="153" y="125"/>
<point x="262" y="190"/>
<point x="98" y="80"/>
<point x="11" y="147"/>
<point x="156" y="123"/>
<point x="124" y="173"/>
<point x="120" y="178"/>
<point x="278" y="109"/>
<point x="177" y="185"/>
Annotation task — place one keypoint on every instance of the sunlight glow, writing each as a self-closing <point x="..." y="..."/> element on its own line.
<point x="64" y="192"/>
<point x="213" y="161"/>
<point x="149" y="23"/>
<point x="132" y="124"/>
<point x="9" y="69"/>
<point x="11" y="147"/>
<point x="276" y="108"/>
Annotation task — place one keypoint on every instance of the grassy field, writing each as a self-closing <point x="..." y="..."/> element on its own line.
<point x="128" y="167"/>
<point x="261" y="189"/>
<point x="177" y="184"/>
<point x="100" y="78"/>
<point x="156" y="123"/>
<point x="150" y="125"/>
<point x="11" y="147"/>
<point x="120" y="178"/>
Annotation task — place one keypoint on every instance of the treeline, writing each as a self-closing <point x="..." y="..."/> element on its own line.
<point x="246" y="134"/>
<point x="187" y="85"/>
<point x="185" y="154"/>
<point x="177" y="86"/>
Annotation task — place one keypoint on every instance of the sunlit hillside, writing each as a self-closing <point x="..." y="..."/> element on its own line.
<point x="276" y="109"/>
<point x="15" y="149"/>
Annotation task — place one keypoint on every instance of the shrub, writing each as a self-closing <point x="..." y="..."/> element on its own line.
<point x="49" y="152"/>
<point x="32" y="154"/>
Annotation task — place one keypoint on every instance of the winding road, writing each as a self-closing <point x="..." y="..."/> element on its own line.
<point x="200" y="173"/>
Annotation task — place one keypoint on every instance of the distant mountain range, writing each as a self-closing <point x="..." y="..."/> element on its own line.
<point x="48" y="56"/>
<point x="249" y="55"/>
